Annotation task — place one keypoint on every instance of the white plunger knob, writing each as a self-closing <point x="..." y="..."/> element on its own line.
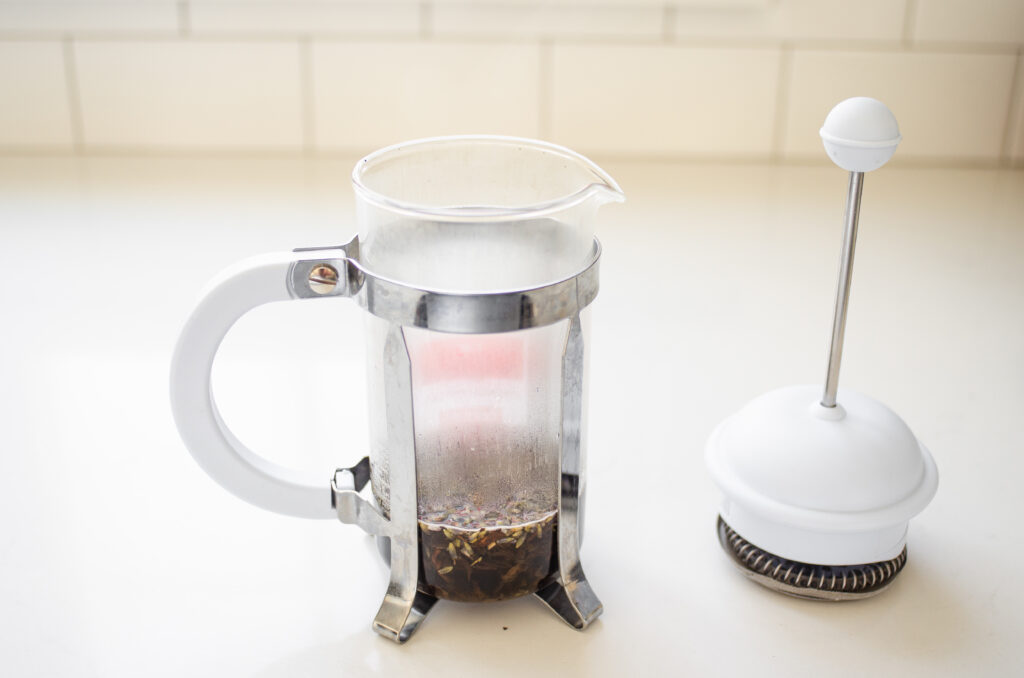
<point x="860" y="134"/>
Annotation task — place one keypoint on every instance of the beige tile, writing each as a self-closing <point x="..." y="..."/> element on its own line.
<point x="995" y="21"/>
<point x="948" y="105"/>
<point x="217" y="95"/>
<point x="614" y="3"/>
<point x="369" y="94"/>
<point x="664" y="100"/>
<point x="253" y="3"/>
<point x="314" y="18"/>
<point x="88" y="17"/>
<point x="547" y="20"/>
<point x="795" y="20"/>
<point x="33" y="96"/>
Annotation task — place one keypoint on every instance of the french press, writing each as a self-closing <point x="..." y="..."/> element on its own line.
<point x="476" y="263"/>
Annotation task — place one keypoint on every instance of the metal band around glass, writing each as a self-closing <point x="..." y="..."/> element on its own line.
<point x="454" y="312"/>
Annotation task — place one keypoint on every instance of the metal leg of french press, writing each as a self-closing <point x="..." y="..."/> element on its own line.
<point x="404" y="607"/>
<point x="568" y="592"/>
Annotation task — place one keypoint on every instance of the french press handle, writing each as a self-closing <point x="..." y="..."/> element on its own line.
<point x="235" y="291"/>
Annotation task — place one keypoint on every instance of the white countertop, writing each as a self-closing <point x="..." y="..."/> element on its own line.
<point x="119" y="557"/>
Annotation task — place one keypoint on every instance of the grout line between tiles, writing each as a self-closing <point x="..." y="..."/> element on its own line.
<point x="308" y="99"/>
<point x="668" y="27"/>
<point x="782" y="88"/>
<point x="876" y="46"/>
<point x="426" y="17"/>
<point x="136" y="152"/>
<point x="909" y="20"/>
<point x="545" y="96"/>
<point x="72" y="92"/>
<point x="184" y="19"/>
<point x="1010" y="127"/>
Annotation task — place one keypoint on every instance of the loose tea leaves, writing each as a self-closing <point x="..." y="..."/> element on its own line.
<point x="473" y="554"/>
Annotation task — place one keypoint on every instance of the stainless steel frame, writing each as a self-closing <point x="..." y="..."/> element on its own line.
<point x="403" y="304"/>
<point x="566" y="591"/>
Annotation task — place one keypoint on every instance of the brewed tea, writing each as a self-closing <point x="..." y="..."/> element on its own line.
<point x="476" y="554"/>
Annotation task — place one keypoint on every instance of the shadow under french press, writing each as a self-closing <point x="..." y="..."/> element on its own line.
<point x="514" y="638"/>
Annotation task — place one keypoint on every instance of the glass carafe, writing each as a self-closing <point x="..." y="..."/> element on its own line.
<point x="476" y="261"/>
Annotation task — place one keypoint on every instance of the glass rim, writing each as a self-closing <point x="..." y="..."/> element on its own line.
<point x="603" y="187"/>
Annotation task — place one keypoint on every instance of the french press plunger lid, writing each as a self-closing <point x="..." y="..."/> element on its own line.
<point x="820" y="486"/>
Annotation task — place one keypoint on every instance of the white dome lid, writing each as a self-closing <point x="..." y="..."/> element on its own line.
<point x="860" y="134"/>
<point x="853" y="467"/>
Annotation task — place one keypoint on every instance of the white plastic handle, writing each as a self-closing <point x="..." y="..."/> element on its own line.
<point x="238" y="469"/>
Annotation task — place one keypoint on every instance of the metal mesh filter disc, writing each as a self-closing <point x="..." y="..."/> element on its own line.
<point x="804" y="580"/>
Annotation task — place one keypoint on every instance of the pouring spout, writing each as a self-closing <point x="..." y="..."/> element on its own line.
<point x="608" y="192"/>
<point x="470" y="178"/>
<point x="602" y="186"/>
<point x="605" y="189"/>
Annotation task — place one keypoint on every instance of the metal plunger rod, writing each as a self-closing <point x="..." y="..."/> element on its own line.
<point x="835" y="353"/>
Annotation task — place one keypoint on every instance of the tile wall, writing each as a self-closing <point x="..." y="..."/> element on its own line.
<point x="729" y="79"/>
